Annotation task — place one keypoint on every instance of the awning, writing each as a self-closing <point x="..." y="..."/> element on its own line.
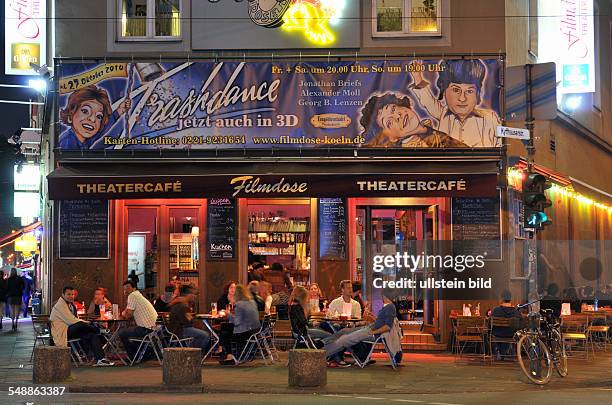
<point x="273" y="179"/>
<point x="17" y="234"/>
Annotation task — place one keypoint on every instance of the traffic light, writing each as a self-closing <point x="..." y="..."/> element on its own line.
<point x="535" y="201"/>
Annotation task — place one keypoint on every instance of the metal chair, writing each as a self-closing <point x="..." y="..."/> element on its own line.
<point x="42" y="331"/>
<point x="500" y="322"/>
<point x="154" y="340"/>
<point x="470" y="330"/>
<point x="77" y="353"/>
<point x="598" y="331"/>
<point x="382" y="339"/>
<point x="255" y="343"/>
<point x="574" y="332"/>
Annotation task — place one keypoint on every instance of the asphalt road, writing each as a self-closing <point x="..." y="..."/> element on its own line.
<point x="537" y="396"/>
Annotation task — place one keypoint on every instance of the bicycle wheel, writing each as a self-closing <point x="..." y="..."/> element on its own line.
<point x="557" y="349"/>
<point x="534" y="359"/>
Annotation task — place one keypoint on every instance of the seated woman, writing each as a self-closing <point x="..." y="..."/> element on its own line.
<point x="299" y="310"/>
<point x="315" y="298"/>
<point x="99" y="299"/>
<point x="227" y="298"/>
<point x="242" y="324"/>
<point x="265" y="292"/>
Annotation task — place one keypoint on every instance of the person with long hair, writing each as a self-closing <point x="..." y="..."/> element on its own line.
<point x="3" y="296"/>
<point x="227" y="297"/>
<point x="315" y="298"/>
<point x="265" y="292"/>
<point x="243" y="323"/>
<point x="299" y="311"/>
<point x="15" y="287"/>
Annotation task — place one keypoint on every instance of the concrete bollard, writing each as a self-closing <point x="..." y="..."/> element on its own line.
<point x="51" y="364"/>
<point x="307" y="368"/>
<point x="182" y="366"/>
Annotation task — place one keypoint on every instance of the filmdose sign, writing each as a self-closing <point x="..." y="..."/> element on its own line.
<point x="434" y="103"/>
<point x="569" y="41"/>
<point x="25" y="35"/>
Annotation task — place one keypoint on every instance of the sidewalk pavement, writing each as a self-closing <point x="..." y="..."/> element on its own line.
<point x="419" y="373"/>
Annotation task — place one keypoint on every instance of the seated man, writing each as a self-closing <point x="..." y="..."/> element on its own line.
<point x="145" y="316"/>
<point x="345" y="304"/>
<point x="350" y="337"/>
<point x="66" y="326"/>
<point x="504" y="310"/>
<point x="181" y="320"/>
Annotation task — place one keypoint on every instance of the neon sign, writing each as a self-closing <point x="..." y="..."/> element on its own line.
<point x="313" y="18"/>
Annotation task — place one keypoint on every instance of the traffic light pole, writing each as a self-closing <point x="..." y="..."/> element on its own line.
<point x="532" y="249"/>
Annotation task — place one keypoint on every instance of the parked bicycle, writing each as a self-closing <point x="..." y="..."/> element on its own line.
<point x="540" y="346"/>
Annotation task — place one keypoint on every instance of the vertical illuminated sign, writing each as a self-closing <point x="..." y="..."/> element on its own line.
<point x="25" y="35"/>
<point x="568" y="39"/>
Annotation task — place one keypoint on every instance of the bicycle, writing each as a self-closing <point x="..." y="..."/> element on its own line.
<point x="540" y="347"/>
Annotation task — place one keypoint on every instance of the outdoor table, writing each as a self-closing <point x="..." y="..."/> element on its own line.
<point x="342" y="322"/>
<point x="112" y="340"/>
<point x="207" y="320"/>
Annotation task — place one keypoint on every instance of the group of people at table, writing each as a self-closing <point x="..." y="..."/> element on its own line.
<point x="240" y="312"/>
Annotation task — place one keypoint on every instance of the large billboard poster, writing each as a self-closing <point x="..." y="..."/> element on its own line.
<point x="202" y="105"/>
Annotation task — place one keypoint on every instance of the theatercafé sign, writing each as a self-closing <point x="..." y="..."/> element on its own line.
<point x="290" y="185"/>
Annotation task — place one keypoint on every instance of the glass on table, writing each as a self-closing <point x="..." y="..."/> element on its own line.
<point x="213" y="308"/>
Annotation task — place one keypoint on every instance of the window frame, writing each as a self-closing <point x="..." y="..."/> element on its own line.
<point x="406" y="15"/>
<point x="150" y="24"/>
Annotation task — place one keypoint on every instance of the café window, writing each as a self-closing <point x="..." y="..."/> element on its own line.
<point x="149" y="19"/>
<point x="397" y="18"/>
<point x="279" y="235"/>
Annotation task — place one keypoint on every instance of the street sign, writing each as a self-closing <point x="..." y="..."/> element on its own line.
<point x="543" y="92"/>
<point x="508" y="132"/>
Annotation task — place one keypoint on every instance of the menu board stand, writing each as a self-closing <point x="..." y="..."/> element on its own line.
<point x="476" y="227"/>
<point x="84" y="229"/>
<point x="221" y="241"/>
<point x="332" y="229"/>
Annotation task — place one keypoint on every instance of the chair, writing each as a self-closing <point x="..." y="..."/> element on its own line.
<point x="598" y="331"/>
<point x="500" y="322"/>
<point x="384" y="340"/>
<point x="255" y="343"/>
<point x="77" y="353"/>
<point x="42" y="331"/>
<point x="282" y="333"/>
<point x="154" y="340"/>
<point x="172" y="339"/>
<point x="574" y="332"/>
<point x="470" y="330"/>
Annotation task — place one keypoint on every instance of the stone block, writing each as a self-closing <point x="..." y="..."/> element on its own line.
<point x="182" y="366"/>
<point x="51" y="364"/>
<point x="307" y="368"/>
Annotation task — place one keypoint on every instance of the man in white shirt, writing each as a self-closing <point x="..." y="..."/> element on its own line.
<point x="345" y="304"/>
<point x="144" y="314"/>
<point x="456" y="108"/>
<point x="66" y="326"/>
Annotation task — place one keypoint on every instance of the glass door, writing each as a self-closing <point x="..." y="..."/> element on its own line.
<point x="143" y="252"/>
<point x="389" y="231"/>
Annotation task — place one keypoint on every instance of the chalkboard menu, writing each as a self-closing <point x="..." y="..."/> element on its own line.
<point x="332" y="229"/>
<point x="476" y="227"/>
<point x="83" y="229"/>
<point x="221" y="229"/>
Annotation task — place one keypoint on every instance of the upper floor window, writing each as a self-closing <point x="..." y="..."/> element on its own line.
<point x="150" y="19"/>
<point x="396" y="18"/>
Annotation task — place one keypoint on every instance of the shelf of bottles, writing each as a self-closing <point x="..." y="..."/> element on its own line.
<point x="180" y="252"/>
<point x="270" y="236"/>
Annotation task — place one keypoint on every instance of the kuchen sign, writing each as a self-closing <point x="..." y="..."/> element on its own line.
<point x="439" y="103"/>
